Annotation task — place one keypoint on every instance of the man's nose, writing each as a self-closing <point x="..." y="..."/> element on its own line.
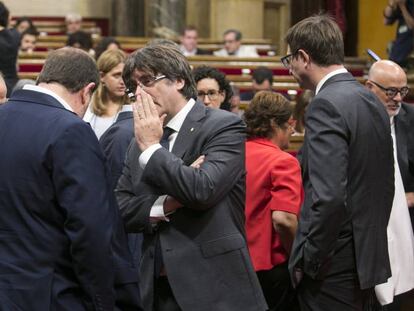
<point x="398" y="97"/>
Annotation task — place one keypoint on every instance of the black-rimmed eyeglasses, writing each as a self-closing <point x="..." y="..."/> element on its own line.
<point x="286" y="60"/>
<point x="391" y="92"/>
<point x="211" y="94"/>
<point x="149" y="81"/>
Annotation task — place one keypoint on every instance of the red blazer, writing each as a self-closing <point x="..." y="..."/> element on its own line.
<point x="273" y="183"/>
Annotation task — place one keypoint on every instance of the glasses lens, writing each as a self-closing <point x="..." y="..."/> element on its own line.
<point x="212" y="95"/>
<point x="404" y="91"/>
<point x="391" y="92"/>
<point x="286" y="60"/>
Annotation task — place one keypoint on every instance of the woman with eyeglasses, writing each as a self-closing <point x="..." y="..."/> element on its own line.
<point x="110" y="97"/>
<point x="212" y="87"/>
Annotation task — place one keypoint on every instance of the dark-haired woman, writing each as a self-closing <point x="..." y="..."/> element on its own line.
<point x="273" y="195"/>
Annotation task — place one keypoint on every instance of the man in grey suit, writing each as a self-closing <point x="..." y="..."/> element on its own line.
<point x="340" y="250"/>
<point x="183" y="186"/>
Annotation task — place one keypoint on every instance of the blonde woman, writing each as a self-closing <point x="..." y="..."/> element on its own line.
<point x="110" y="95"/>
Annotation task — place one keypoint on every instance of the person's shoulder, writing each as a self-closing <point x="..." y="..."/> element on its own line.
<point x="122" y="129"/>
<point x="221" y="52"/>
<point x="408" y="108"/>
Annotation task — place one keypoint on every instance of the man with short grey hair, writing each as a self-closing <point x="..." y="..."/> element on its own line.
<point x="233" y="45"/>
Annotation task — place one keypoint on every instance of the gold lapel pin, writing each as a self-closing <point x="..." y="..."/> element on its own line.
<point x="192" y="129"/>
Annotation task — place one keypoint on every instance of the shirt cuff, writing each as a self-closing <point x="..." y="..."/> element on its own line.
<point x="147" y="154"/>
<point x="157" y="209"/>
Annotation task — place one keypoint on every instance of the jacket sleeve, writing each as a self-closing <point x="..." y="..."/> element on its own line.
<point x="328" y="164"/>
<point x="222" y="168"/>
<point x="82" y="192"/>
<point x="135" y="207"/>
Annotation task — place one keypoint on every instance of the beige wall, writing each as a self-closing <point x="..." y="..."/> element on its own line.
<point x="87" y="8"/>
<point x="244" y="15"/>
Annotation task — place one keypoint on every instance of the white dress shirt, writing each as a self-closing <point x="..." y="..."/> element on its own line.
<point x="40" y="89"/>
<point x="175" y="124"/>
<point x="329" y="75"/>
<point x="400" y="241"/>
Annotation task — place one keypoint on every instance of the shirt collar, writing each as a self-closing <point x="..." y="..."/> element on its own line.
<point x="177" y="121"/>
<point x="126" y="108"/>
<point x="329" y="75"/>
<point x="43" y="90"/>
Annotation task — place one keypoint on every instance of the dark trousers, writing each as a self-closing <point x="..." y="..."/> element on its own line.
<point x="277" y="288"/>
<point x="339" y="288"/>
<point x="164" y="299"/>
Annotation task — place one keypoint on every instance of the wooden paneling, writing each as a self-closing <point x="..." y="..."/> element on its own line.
<point x="244" y="15"/>
<point x="373" y="34"/>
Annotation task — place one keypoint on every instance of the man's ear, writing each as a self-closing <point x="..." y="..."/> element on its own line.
<point x="305" y="56"/>
<point x="179" y="83"/>
<point x="86" y="92"/>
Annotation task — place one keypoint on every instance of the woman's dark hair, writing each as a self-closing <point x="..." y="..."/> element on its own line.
<point x="266" y="111"/>
<point x="103" y="45"/>
<point x="80" y="39"/>
<point x="4" y="15"/>
<point x="24" y="19"/>
<point x="204" y="72"/>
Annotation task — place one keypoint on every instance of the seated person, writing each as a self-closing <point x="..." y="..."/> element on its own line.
<point x="262" y="80"/>
<point x="212" y="87"/>
<point x="106" y="43"/>
<point x="73" y="23"/>
<point x="23" y="23"/>
<point x="188" y="41"/>
<point x="233" y="46"/>
<point x="299" y="111"/>
<point x="28" y="40"/>
<point x="81" y="40"/>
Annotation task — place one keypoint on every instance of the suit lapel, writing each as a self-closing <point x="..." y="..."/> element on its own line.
<point x="189" y="131"/>
<point x="402" y="128"/>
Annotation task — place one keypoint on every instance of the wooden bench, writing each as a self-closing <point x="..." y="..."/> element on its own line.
<point x="55" y="25"/>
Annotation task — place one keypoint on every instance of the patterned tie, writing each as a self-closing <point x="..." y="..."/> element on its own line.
<point x="165" y="137"/>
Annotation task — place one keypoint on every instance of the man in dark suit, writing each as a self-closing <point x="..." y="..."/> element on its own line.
<point x="188" y="41"/>
<point x="185" y="190"/>
<point x="340" y="251"/>
<point x="389" y="82"/>
<point x="60" y="232"/>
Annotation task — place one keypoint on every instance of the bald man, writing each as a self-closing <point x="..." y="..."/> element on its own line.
<point x="389" y="82"/>
<point x="3" y="90"/>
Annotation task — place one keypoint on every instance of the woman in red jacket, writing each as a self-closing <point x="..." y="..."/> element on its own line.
<point x="273" y="195"/>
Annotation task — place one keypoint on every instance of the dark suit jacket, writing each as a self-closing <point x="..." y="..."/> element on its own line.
<point x="115" y="142"/>
<point x="348" y="176"/>
<point x="404" y="125"/>
<point x="203" y="52"/>
<point x="203" y="245"/>
<point x="57" y="222"/>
